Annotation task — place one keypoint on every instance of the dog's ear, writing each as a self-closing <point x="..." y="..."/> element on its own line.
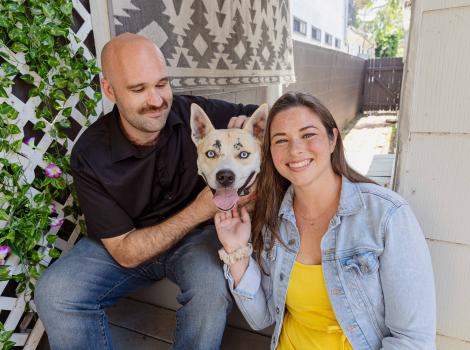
<point x="256" y="124"/>
<point x="200" y="123"/>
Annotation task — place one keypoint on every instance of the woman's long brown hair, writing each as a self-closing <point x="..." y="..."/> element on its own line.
<point x="271" y="186"/>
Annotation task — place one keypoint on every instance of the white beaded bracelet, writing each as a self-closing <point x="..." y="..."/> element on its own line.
<point x="236" y="255"/>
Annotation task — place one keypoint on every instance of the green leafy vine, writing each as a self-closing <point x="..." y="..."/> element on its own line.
<point x="36" y="47"/>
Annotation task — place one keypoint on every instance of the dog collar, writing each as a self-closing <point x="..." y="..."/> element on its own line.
<point x="245" y="189"/>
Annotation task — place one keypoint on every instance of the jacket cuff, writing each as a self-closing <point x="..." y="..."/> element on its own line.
<point x="249" y="283"/>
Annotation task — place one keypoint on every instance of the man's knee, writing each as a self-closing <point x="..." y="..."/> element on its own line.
<point x="55" y="290"/>
<point x="46" y="292"/>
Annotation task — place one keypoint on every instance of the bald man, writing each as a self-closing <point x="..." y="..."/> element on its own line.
<point x="147" y="211"/>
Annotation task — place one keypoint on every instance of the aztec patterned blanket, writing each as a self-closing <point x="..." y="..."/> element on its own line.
<point x="214" y="43"/>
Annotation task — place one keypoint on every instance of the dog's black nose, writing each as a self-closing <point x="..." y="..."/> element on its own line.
<point x="225" y="177"/>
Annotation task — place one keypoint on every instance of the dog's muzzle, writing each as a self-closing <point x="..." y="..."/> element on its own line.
<point x="226" y="197"/>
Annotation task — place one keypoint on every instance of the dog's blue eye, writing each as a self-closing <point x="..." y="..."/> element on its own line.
<point x="210" y="154"/>
<point x="244" y="155"/>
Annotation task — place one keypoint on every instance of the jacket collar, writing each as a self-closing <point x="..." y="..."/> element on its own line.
<point x="351" y="201"/>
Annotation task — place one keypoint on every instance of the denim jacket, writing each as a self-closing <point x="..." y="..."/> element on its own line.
<point x="376" y="266"/>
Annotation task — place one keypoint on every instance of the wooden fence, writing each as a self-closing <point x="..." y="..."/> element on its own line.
<point x="382" y="84"/>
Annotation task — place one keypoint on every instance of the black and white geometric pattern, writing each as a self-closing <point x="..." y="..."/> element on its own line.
<point x="215" y="43"/>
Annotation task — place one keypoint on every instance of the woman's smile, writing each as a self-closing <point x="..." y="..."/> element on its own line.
<point x="299" y="165"/>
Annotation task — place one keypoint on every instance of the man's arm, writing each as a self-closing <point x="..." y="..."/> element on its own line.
<point x="110" y="223"/>
<point x="137" y="246"/>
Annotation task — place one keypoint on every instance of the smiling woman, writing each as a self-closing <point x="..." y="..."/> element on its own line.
<point x="303" y="130"/>
<point x="300" y="145"/>
<point x="331" y="246"/>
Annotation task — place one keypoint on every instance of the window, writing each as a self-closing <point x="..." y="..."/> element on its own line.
<point x="328" y="39"/>
<point x="337" y="43"/>
<point x="300" y="26"/>
<point x="316" y="34"/>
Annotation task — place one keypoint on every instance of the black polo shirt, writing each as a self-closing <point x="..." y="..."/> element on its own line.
<point x="122" y="186"/>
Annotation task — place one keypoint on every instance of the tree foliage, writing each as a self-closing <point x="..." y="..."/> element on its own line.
<point x="386" y="28"/>
<point x="356" y="6"/>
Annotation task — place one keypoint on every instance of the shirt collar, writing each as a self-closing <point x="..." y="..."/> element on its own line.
<point x="122" y="148"/>
<point x="351" y="200"/>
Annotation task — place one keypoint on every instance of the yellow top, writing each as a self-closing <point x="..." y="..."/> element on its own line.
<point x="309" y="321"/>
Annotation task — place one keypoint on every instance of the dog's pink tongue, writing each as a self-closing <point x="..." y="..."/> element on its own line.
<point x="225" y="198"/>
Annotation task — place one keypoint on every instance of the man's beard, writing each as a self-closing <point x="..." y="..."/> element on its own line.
<point x="148" y="124"/>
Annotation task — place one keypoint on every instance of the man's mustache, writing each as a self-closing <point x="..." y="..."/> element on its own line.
<point x="151" y="108"/>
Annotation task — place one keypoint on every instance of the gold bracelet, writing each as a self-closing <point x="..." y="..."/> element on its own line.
<point x="236" y="255"/>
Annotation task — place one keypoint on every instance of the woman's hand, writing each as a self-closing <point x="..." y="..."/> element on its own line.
<point x="233" y="228"/>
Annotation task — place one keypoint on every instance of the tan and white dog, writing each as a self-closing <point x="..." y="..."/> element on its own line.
<point x="228" y="159"/>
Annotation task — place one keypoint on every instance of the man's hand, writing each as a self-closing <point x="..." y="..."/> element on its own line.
<point x="237" y="122"/>
<point x="203" y="205"/>
<point x="233" y="228"/>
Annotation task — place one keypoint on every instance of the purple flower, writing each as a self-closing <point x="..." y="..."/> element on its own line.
<point x="53" y="208"/>
<point x="56" y="222"/>
<point x="29" y="141"/>
<point x="53" y="170"/>
<point x="4" y="250"/>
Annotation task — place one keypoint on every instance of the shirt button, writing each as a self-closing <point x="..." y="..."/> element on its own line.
<point x="281" y="276"/>
<point x="291" y="242"/>
<point x="277" y="310"/>
<point x="336" y="291"/>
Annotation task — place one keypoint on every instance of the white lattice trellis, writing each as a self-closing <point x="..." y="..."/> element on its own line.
<point x="12" y="307"/>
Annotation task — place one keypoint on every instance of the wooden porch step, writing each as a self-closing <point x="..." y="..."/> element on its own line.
<point x="381" y="169"/>
<point x="140" y="325"/>
<point x="124" y="339"/>
<point x="147" y="320"/>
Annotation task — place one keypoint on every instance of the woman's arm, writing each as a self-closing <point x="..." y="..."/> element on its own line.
<point x="408" y="284"/>
<point x="250" y="288"/>
<point x="253" y="295"/>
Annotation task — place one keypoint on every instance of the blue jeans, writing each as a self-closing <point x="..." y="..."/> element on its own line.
<point x="73" y="292"/>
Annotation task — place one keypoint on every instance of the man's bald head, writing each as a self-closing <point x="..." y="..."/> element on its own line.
<point x="135" y="79"/>
<point x="122" y="49"/>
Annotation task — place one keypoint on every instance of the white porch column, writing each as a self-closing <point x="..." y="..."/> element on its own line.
<point x="102" y="33"/>
<point x="273" y="92"/>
